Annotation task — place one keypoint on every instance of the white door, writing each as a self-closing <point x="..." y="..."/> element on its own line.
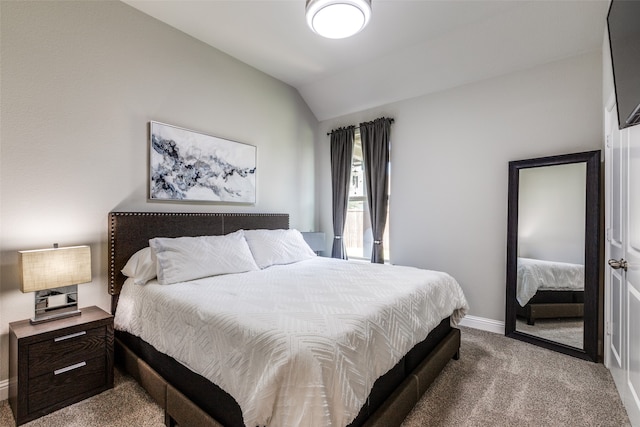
<point x="622" y="292"/>
<point x="614" y="292"/>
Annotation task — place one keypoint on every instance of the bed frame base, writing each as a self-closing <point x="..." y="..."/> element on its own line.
<point x="552" y="305"/>
<point x="180" y="410"/>
<point x="397" y="406"/>
<point x="534" y="312"/>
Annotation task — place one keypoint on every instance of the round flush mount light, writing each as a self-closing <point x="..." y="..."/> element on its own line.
<point x="338" y="19"/>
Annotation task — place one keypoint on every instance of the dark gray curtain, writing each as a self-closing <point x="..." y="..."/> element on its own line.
<point x="341" y="153"/>
<point x="375" y="151"/>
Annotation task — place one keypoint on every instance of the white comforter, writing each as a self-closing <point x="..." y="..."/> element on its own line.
<point x="534" y="274"/>
<point x="295" y="345"/>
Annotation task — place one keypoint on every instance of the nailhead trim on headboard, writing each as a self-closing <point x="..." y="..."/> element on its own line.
<point x="136" y="228"/>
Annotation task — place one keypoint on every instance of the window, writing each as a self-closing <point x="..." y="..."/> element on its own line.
<point x="357" y="231"/>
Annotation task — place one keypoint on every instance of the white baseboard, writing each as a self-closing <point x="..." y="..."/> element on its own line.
<point x="4" y="390"/>
<point x="484" y="324"/>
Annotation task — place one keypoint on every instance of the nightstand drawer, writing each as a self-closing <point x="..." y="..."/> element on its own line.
<point x="66" y="349"/>
<point x="66" y="382"/>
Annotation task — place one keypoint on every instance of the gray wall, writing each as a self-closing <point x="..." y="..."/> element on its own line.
<point x="608" y="92"/>
<point x="449" y="157"/>
<point x="551" y="212"/>
<point x="80" y="82"/>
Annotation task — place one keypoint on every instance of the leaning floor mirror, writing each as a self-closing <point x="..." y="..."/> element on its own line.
<point x="553" y="253"/>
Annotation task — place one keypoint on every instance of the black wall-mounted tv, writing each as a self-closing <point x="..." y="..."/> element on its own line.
<point x="623" y="22"/>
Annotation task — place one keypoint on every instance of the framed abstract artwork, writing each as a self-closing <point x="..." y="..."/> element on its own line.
<point x="186" y="165"/>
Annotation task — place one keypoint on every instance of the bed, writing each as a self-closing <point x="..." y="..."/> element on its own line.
<point x="190" y="398"/>
<point x="549" y="289"/>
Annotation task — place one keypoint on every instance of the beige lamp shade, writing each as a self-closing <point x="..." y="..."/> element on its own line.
<point x="53" y="268"/>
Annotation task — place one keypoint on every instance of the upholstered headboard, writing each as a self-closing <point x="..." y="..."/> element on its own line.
<point x="131" y="231"/>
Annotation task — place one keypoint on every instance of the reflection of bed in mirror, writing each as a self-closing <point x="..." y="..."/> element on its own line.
<point x="549" y="289"/>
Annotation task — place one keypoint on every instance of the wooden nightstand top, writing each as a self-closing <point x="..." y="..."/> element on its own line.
<point x="24" y="328"/>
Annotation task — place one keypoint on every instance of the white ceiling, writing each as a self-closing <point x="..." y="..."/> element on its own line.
<point x="410" y="47"/>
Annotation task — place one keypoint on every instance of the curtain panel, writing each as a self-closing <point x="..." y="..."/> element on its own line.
<point x="341" y="154"/>
<point x="375" y="151"/>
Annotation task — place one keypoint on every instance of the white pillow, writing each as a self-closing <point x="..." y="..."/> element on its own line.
<point x="274" y="247"/>
<point x="188" y="258"/>
<point x="141" y="267"/>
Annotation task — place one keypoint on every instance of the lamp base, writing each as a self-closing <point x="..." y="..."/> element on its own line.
<point x="53" y="304"/>
<point x="54" y="316"/>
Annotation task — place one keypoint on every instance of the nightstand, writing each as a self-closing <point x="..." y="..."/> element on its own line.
<point x="57" y="363"/>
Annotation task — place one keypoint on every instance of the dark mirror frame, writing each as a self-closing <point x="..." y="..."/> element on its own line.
<point x="591" y="259"/>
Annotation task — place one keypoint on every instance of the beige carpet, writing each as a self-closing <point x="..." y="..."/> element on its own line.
<point x="126" y="405"/>
<point x="498" y="381"/>
<point x="566" y="331"/>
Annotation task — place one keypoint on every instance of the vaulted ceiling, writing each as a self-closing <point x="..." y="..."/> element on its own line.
<point x="410" y="47"/>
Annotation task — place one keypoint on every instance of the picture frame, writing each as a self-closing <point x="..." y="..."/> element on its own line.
<point x="190" y="166"/>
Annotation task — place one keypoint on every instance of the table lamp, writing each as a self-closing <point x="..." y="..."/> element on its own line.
<point x="315" y="240"/>
<point x="54" y="274"/>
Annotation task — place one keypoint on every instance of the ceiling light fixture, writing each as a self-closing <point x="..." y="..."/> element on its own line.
<point x="338" y="19"/>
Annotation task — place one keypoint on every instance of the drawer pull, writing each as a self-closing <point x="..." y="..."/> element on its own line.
<point x="66" y="337"/>
<point x="69" y="368"/>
